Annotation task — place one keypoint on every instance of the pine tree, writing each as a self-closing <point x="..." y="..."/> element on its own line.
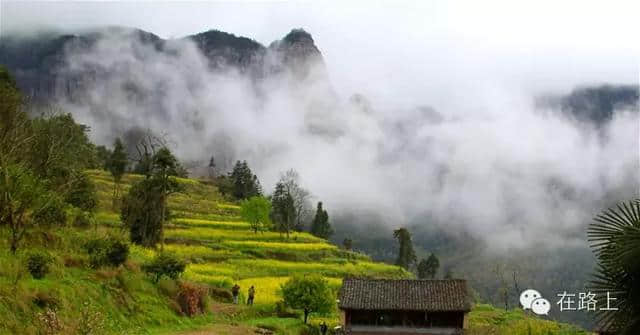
<point x="406" y="254"/>
<point x="245" y="183"/>
<point x="284" y="212"/>
<point x="320" y="226"/>
<point x="212" y="168"/>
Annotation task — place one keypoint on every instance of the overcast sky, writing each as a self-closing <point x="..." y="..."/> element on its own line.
<point x="419" y="49"/>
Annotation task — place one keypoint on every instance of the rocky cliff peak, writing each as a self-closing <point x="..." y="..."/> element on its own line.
<point x="298" y="52"/>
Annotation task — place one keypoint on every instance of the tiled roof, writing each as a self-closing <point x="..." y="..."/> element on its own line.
<point x="405" y="294"/>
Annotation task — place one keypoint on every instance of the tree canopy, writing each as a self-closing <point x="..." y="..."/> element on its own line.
<point x="320" y="226"/>
<point x="42" y="160"/>
<point x="406" y="254"/>
<point x="284" y="211"/>
<point x="257" y="211"/>
<point x="290" y="180"/>
<point x="245" y="183"/>
<point x="310" y="293"/>
<point x="427" y="268"/>
<point x="117" y="161"/>
<point x="144" y="208"/>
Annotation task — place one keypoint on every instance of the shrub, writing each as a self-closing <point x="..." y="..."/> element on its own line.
<point x="53" y="213"/>
<point x="49" y="323"/>
<point x="38" y="264"/>
<point x="282" y="311"/>
<point x="168" y="287"/>
<point x="45" y="299"/>
<point x="82" y="219"/>
<point x="192" y="298"/>
<point x="109" y="251"/>
<point x="91" y="320"/>
<point x="83" y="194"/>
<point x="164" y="264"/>
<point x="220" y="294"/>
<point x="71" y="261"/>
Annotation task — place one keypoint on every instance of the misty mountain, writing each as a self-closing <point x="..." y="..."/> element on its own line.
<point x="595" y="104"/>
<point x="474" y="187"/>
<point x="40" y="63"/>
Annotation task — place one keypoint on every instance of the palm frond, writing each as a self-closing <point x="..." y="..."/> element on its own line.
<point x="615" y="240"/>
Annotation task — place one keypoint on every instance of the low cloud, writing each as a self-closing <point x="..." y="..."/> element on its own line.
<point x="489" y="161"/>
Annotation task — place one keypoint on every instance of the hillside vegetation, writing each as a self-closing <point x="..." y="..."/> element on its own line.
<point x="220" y="249"/>
<point x="205" y="231"/>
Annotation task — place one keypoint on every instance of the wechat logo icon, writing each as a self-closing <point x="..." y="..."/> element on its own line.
<point x="533" y="300"/>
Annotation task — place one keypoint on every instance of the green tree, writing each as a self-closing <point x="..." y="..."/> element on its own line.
<point x="320" y="226"/>
<point x="117" y="165"/>
<point x="22" y="193"/>
<point x="311" y="294"/>
<point x="406" y="254"/>
<point x="256" y="210"/>
<point x="245" y="183"/>
<point x="103" y="155"/>
<point x="615" y="240"/>
<point x="52" y="213"/>
<point x="165" y="165"/>
<point x="141" y="212"/>
<point x="144" y="164"/>
<point x="427" y="268"/>
<point x="284" y="211"/>
<point x="83" y="194"/>
<point x="224" y="185"/>
<point x="144" y="209"/>
<point x="60" y="151"/>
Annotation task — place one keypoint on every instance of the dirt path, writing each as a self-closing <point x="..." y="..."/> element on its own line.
<point x="222" y="330"/>
<point x="228" y="310"/>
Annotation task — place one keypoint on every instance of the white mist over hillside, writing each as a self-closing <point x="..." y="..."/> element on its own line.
<point x="481" y="157"/>
<point x="492" y="163"/>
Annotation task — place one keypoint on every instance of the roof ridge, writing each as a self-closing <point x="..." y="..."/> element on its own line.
<point x="403" y="279"/>
<point x="405" y="294"/>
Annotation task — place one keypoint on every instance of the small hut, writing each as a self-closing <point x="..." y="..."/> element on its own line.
<point x="384" y="306"/>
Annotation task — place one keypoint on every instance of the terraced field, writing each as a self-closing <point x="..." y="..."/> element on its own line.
<point x="222" y="250"/>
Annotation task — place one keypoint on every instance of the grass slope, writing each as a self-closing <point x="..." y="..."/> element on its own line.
<point x="207" y="232"/>
<point x="486" y="319"/>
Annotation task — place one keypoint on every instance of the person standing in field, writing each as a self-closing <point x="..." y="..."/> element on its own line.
<point x="252" y="294"/>
<point x="235" y="290"/>
<point x="323" y="328"/>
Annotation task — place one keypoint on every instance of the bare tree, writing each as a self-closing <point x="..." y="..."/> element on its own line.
<point x="503" y="289"/>
<point x="145" y="148"/>
<point x="301" y="197"/>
